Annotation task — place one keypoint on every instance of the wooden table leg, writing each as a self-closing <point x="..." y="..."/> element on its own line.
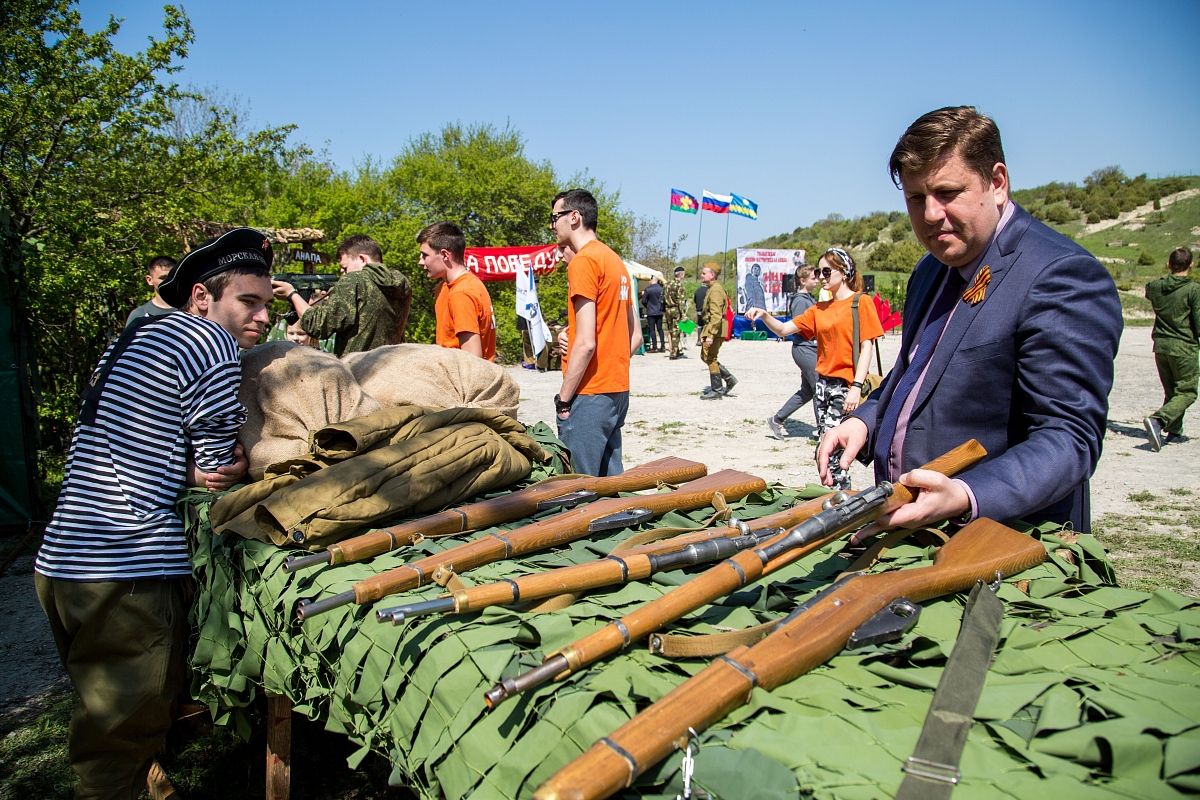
<point x="279" y="747"/>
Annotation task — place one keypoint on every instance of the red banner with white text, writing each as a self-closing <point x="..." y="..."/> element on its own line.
<point x="500" y="263"/>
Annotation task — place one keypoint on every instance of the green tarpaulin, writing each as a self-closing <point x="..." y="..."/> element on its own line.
<point x="1094" y="692"/>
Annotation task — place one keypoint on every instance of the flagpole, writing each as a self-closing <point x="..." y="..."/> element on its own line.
<point x="723" y="256"/>
<point x="726" y="250"/>
<point x="698" y="238"/>
<point x="668" y="250"/>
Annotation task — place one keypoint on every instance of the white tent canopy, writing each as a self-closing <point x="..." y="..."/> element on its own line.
<point x="641" y="271"/>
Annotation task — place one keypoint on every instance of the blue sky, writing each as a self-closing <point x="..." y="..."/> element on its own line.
<point x="793" y="105"/>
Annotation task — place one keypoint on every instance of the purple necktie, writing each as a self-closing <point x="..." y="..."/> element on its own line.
<point x="939" y="312"/>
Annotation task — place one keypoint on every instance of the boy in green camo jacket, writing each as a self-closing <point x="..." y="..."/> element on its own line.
<point x="1176" y="301"/>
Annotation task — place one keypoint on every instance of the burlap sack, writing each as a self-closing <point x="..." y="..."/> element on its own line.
<point x="433" y="376"/>
<point x="289" y="390"/>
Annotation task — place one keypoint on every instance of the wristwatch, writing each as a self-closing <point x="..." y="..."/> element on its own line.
<point x="562" y="406"/>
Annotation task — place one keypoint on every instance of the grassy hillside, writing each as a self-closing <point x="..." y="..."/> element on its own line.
<point x="1130" y="224"/>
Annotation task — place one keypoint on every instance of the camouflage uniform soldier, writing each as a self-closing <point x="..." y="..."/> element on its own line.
<point x="367" y="308"/>
<point x="674" y="305"/>
<point x="713" y="334"/>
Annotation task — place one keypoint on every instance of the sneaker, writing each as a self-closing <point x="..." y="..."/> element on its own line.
<point x="709" y="394"/>
<point x="776" y="428"/>
<point x="1153" y="433"/>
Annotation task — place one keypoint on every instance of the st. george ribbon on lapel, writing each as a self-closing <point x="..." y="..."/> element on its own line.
<point x="978" y="288"/>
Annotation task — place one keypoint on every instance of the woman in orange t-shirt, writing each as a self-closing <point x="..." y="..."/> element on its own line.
<point x="840" y="375"/>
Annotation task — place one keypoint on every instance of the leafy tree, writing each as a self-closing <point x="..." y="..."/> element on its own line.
<point x="98" y="178"/>
<point x="899" y="256"/>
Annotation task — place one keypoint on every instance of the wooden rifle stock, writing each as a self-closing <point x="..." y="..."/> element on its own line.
<point x="730" y="575"/>
<point x="509" y="507"/>
<point x="559" y="529"/>
<point x="633" y="564"/>
<point x="810" y="636"/>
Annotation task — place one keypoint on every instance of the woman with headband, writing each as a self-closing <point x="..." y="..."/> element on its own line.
<point x="840" y="371"/>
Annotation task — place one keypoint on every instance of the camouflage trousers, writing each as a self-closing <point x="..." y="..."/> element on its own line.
<point x="828" y="399"/>
<point x="673" y="335"/>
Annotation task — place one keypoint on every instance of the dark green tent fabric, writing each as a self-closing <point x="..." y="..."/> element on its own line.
<point x="19" y="502"/>
<point x="1095" y="690"/>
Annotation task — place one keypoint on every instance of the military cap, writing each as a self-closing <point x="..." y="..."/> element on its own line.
<point x="239" y="247"/>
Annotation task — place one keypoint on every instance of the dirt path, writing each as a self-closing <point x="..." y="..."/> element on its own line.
<point x="1135" y="216"/>
<point x="667" y="416"/>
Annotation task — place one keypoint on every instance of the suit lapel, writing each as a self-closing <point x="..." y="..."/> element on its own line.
<point x="999" y="257"/>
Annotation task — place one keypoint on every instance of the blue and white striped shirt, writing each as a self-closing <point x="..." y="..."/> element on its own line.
<point x="171" y="393"/>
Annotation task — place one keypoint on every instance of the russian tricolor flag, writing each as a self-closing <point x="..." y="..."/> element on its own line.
<point x="716" y="203"/>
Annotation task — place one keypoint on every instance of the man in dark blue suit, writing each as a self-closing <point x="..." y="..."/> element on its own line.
<point x="1010" y="331"/>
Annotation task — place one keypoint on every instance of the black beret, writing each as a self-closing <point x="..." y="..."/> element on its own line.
<point x="237" y="248"/>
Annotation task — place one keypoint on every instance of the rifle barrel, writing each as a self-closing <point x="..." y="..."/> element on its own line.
<point x="398" y="614"/>
<point x="295" y="562"/>
<point x="310" y="608"/>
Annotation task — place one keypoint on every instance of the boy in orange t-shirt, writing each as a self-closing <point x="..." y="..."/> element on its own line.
<point x="601" y="335"/>
<point x="463" y="309"/>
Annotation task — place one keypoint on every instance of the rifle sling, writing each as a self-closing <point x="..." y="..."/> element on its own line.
<point x="715" y="644"/>
<point x="931" y="772"/>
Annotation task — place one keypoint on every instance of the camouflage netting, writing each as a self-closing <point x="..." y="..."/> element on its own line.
<point x="1095" y="690"/>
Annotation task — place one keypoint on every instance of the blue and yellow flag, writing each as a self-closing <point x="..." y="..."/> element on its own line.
<point x="742" y="207"/>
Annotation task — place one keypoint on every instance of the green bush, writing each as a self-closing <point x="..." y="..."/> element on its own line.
<point x="1060" y="213"/>
<point x="1145" y="259"/>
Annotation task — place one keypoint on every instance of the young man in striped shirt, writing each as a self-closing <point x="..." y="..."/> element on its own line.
<point x="113" y="573"/>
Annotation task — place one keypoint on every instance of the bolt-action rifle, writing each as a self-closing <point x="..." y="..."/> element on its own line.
<point x="730" y="575"/>
<point x="608" y="514"/>
<point x="560" y="492"/>
<point x="633" y="564"/>
<point x="985" y="550"/>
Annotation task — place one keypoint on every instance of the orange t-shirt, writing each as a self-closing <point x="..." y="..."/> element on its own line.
<point x="464" y="306"/>
<point x="832" y="324"/>
<point x="598" y="274"/>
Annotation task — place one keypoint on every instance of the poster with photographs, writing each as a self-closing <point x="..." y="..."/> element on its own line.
<point x="766" y="278"/>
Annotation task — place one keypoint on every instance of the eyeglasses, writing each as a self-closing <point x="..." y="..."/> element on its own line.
<point x="823" y="272"/>
<point x="555" y="217"/>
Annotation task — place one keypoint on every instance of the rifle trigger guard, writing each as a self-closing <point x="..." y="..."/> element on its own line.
<point x="888" y="625"/>
<point x="995" y="585"/>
